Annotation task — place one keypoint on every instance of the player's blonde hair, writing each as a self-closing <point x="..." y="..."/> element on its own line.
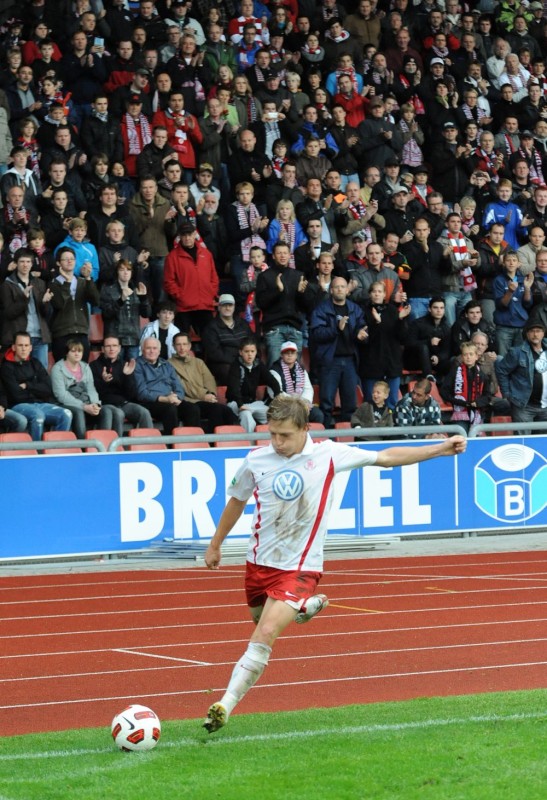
<point x="288" y="408"/>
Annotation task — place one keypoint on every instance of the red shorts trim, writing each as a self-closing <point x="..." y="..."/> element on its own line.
<point x="292" y="587"/>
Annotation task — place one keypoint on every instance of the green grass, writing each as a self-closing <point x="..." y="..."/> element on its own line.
<point x="482" y="747"/>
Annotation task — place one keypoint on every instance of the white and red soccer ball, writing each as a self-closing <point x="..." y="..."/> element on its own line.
<point x="136" y="728"/>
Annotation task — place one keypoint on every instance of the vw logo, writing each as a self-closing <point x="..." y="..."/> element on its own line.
<point x="288" y="485"/>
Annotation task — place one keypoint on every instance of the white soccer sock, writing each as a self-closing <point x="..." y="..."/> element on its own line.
<point x="246" y="672"/>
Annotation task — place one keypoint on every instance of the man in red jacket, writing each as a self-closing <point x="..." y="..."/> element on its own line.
<point x="191" y="280"/>
<point x="183" y="132"/>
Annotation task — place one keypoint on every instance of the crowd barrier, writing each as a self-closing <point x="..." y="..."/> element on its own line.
<point x="121" y="502"/>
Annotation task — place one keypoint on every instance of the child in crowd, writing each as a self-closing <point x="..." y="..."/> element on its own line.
<point x="247" y="285"/>
<point x="162" y="328"/>
<point x="279" y="150"/>
<point x="27" y="138"/>
<point x="294" y="380"/>
<point x="285" y="228"/>
<point x="470" y="226"/>
<point x="376" y="413"/>
<point x="44" y="262"/>
<point x="84" y="250"/>
<point x="246" y="374"/>
<point x="466" y="388"/>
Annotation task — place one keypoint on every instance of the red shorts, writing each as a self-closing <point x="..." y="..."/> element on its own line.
<point x="293" y="587"/>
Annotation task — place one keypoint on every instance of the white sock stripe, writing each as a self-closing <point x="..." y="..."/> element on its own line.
<point x="257" y="651"/>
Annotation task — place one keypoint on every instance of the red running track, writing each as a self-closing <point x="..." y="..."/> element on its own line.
<point x="75" y="649"/>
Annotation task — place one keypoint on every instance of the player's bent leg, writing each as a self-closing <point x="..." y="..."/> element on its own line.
<point x="275" y="617"/>
<point x="312" y="606"/>
<point x="246" y="672"/>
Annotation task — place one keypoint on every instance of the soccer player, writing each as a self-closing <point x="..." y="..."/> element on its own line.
<point x="291" y="480"/>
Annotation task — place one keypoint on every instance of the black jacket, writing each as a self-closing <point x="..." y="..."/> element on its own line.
<point x="243" y="382"/>
<point x="121" y="389"/>
<point x="282" y="308"/>
<point x="32" y="374"/>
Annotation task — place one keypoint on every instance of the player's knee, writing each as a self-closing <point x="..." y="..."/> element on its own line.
<point x="256" y="613"/>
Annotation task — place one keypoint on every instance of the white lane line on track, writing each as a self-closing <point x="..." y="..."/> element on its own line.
<point x="326" y="585"/>
<point x="358" y="598"/>
<point x="285" y="684"/>
<point x="182" y="626"/>
<point x="187" y="663"/>
<point x="366" y="598"/>
<point x="132" y="652"/>
<point x="345" y="731"/>
<point x="209" y="642"/>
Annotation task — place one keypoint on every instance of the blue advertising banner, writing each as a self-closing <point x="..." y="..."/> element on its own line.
<point x="99" y="503"/>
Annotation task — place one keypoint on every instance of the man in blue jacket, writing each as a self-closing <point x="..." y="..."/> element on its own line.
<point x="522" y="375"/>
<point x="160" y="390"/>
<point x="337" y="324"/>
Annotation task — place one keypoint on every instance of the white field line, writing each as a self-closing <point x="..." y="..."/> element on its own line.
<point x="365" y="730"/>
<point x="284" y="684"/>
<point x="187" y="662"/>
<point x="214" y="642"/>
<point x="132" y="652"/>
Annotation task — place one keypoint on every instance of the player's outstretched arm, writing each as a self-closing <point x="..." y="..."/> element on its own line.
<point x="229" y="517"/>
<point x="401" y="456"/>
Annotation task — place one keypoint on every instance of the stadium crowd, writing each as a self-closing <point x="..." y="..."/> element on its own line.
<point x="308" y="193"/>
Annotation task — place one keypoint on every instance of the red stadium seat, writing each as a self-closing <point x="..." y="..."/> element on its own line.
<point x="16" y="437"/>
<point x="104" y="436"/>
<point x="227" y="429"/>
<point x="499" y="420"/>
<point x="135" y="433"/>
<point x="189" y="431"/>
<point x="317" y="426"/>
<point x="60" y="436"/>
<point x="344" y="426"/>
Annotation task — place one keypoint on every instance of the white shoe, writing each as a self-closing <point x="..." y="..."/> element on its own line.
<point x="216" y="718"/>
<point x="314" y="605"/>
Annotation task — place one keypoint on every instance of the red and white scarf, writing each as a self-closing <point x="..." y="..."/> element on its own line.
<point x="459" y="249"/>
<point x="246" y="220"/>
<point x="135" y="146"/>
<point x="411" y="155"/>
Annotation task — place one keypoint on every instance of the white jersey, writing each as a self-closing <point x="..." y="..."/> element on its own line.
<point x="293" y="498"/>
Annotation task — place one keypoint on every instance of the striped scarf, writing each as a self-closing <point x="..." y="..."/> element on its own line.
<point x="468" y="387"/>
<point x="135" y="146"/>
<point x="245" y="218"/>
<point x="411" y="155"/>
<point x="534" y="162"/>
<point x="459" y="249"/>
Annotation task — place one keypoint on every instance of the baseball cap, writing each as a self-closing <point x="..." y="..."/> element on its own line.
<point x="134" y="99"/>
<point x="526" y="135"/>
<point x="536" y="6"/>
<point x="186" y="227"/>
<point x="288" y="346"/>
<point x="142" y="71"/>
<point x="392" y="161"/>
<point x="399" y="187"/>
<point x="226" y="299"/>
<point x="436" y="61"/>
<point x="448" y="125"/>
<point x="534" y="323"/>
<point x="359" y="236"/>
<point x="206" y="168"/>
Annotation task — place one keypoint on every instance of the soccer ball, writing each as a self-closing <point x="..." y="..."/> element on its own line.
<point x="136" y="728"/>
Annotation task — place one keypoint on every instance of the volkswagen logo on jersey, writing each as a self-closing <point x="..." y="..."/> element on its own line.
<point x="288" y="485"/>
